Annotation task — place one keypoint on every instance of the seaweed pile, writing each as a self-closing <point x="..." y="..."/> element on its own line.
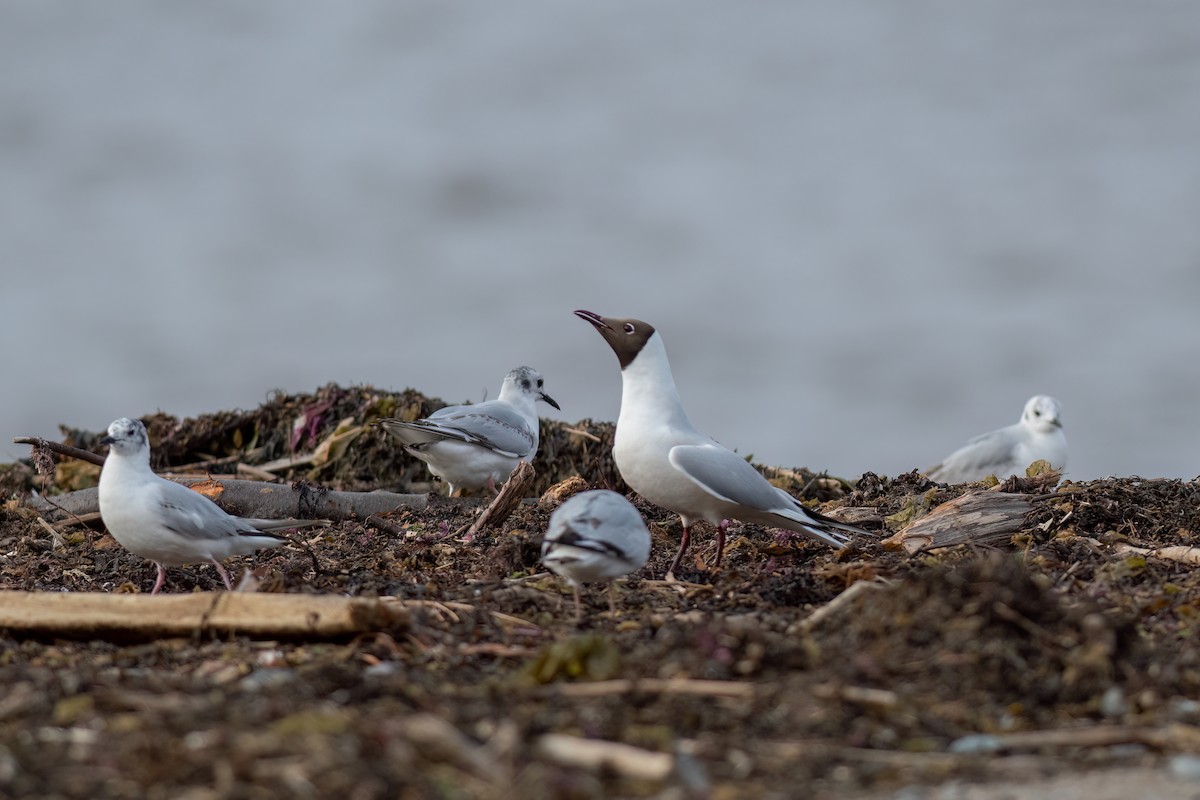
<point x="1068" y="645"/>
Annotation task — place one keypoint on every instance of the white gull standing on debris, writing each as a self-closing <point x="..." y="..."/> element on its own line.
<point x="668" y="461"/>
<point x="168" y="523"/>
<point x="1009" y="451"/>
<point x="478" y="445"/>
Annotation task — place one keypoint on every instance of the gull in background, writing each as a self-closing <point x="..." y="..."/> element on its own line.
<point x="595" y="536"/>
<point x="1008" y="451"/>
<point x="668" y="461"/>
<point x="166" y="522"/>
<point x="478" y="445"/>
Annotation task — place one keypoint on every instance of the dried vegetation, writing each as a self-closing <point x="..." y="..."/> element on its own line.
<point x="1064" y="641"/>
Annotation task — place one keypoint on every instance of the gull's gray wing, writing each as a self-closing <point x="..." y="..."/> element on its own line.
<point x="193" y="516"/>
<point x="725" y="475"/>
<point x="495" y="425"/>
<point x="601" y="521"/>
<point x="981" y="456"/>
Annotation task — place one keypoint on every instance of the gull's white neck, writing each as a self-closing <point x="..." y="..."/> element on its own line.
<point x="648" y="394"/>
<point x="515" y="397"/>
<point x="126" y="464"/>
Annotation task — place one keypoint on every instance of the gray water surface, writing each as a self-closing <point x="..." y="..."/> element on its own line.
<point x="866" y="230"/>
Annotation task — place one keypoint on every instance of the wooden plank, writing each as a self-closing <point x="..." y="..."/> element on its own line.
<point x="144" y="617"/>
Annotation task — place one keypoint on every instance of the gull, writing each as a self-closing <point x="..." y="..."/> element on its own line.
<point x="667" y="460"/>
<point x="478" y="445"/>
<point x="168" y="523"/>
<point x="1008" y="451"/>
<point x="595" y="536"/>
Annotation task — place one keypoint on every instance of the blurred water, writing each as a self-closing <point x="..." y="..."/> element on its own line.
<point x="866" y="230"/>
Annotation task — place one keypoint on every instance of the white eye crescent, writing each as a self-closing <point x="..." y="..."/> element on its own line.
<point x="629" y="327"/>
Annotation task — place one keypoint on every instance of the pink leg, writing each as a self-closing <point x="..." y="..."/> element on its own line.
<point x="492" y="485"/>
<point x="720" y="542"/>
<point x="578" y="603"/>
<point x="224" y="574"/>
<point x="612" y="602"/>
<point x="683" y="546"/>
<point x="162" y="576"/>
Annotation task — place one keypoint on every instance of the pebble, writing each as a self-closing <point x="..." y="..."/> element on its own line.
<point x="976" y="744"/>
<point x="266" y="678"/>
<point x="1113" y="703"/>
<point x="1184" y="767"/>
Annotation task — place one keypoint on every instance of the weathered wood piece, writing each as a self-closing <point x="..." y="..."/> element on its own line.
<point x="138" y="617"/>
<point x="510" y="496"/>
<point x="262" y="500"/>
<point x="977" y="517"/>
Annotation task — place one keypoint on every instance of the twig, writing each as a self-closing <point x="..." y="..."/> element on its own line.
<point x="788" y="751"/>
<point x="596" y="754"/>
<point x="1181" y="553"/>
<point x="496" y="649"/>
<point x="82" y="519"/>
<point x="61" y="449"/>
<point x="1176" y="736"/>
<point x="287" y="462"/>
<point x="677" y="686"/>
<point x="584" y="434"/>
<point x="383" y="524"/>
<point x="836" y="604"/>
<point x="56" y="541"/>
<point x="257" y="473"/>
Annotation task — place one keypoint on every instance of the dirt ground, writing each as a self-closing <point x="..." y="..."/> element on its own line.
<point x="1055" y="661"/>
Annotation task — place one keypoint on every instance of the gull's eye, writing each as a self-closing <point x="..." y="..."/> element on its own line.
<point x="1037" y="412"/>
<point x="629" y="327"/>
<point x="540" y="382"/>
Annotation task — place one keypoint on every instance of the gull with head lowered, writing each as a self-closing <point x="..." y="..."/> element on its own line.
<point x="595" y="536"/>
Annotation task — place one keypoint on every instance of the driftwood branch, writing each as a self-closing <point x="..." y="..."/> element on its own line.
<point x="258" y="499"/>
<point x="137" y="617"/>
<point x="62" y="449"/>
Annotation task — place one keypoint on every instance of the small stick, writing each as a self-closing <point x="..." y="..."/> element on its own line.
<point x="584" y="434"/>
<point x="596" y="754"/>
<point x="836" y="604"/>
<point x="82" y="519"/>
<point x="515" y="488"/>
<point x="56" y="541"/>
<point x="257" y="473"/>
